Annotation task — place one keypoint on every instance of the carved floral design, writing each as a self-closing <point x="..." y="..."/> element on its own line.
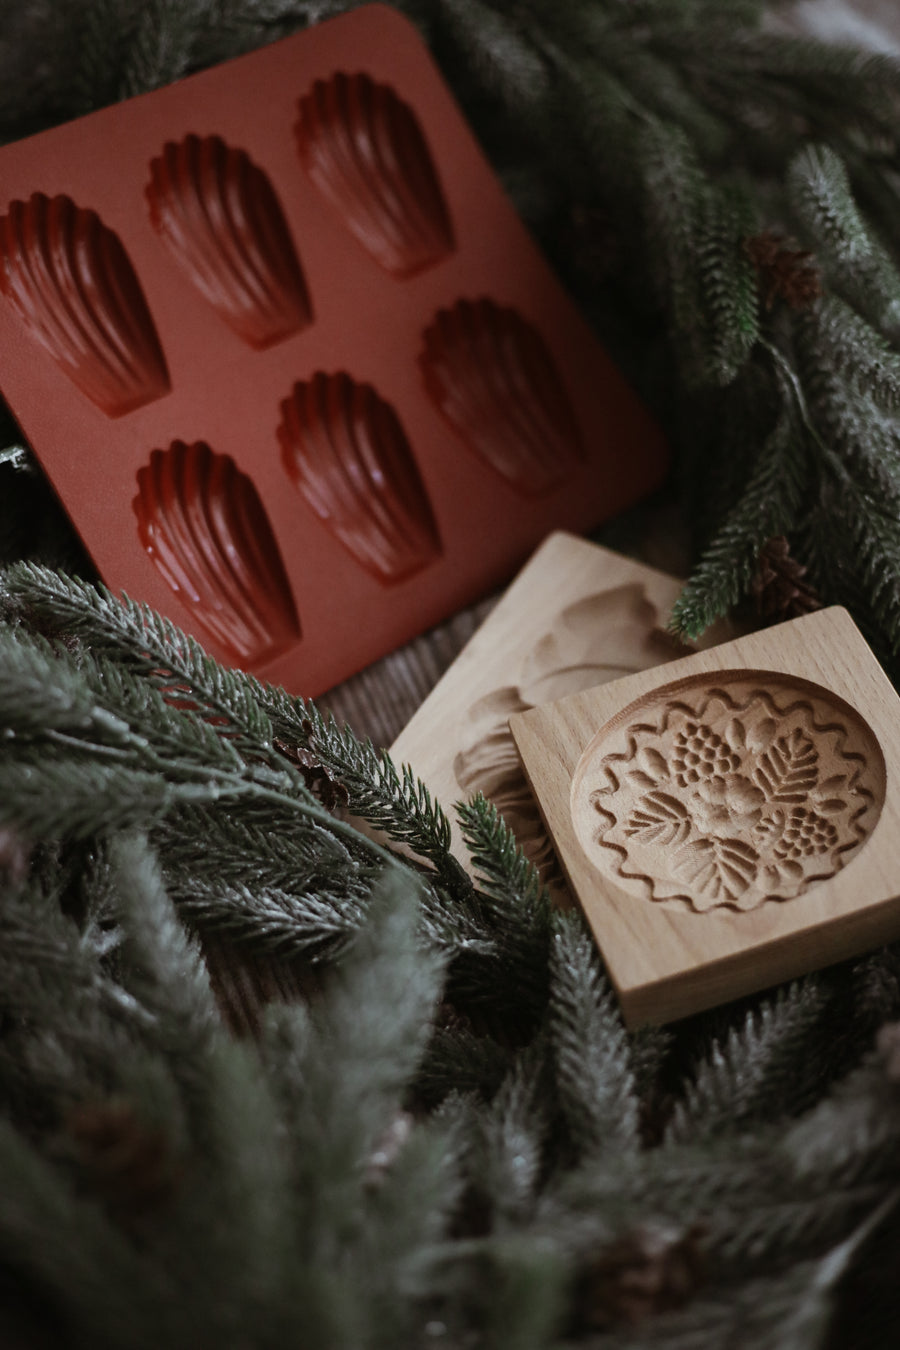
<point x="731" y="795"/>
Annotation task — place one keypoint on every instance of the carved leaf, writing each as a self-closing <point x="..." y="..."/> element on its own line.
<point x="652" y="763"/>
<point x="659" y="819"/>
<point x="721" y="869"/>
<point x="761" y="734"/>
<point x="783" y="870"/>
<point x="788" y="770"/>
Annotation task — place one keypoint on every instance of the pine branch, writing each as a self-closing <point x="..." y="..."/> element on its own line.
<point x="697" y="229"/>
<point x="753" y="1076"/>
<point x="851" y="348"/>
<point x="513" y="1129"/>
<point x="594" y="1083"/>
<point x="859" y="265"/>
<point x="393" y="801"/>
<point x="513" y="902"/>
<point x="145" y="644"/>
<point x="767" y="507"/>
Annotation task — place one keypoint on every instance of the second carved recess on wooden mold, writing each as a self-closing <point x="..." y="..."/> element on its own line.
<point x="599" y="638"/>
<point x="345" y="449"/>
<point x="203" y="524"/>
<point x="363" y="149"/>
<point x="72" y="284"/>
<point x="729" y="790"/>
<point x="220" y="218"/>
<point x="491" y="377"/>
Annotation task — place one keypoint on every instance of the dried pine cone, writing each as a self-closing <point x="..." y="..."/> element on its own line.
<point x="787" y="274"/>
<point x="126" y="1164"/>
<point x="779" y="589"/>
<point x="653" y="1269"/>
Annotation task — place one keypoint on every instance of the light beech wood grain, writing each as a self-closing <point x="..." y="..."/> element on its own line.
<point x="577" y="615"/>
<point x="729" y="822"/>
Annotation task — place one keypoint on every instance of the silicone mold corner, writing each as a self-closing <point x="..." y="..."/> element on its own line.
<point x="201" y="520"/>
<point x="71" y="282"/>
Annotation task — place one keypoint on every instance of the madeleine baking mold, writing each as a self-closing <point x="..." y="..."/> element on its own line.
<point x="202" y="523"/>
<point x="295" y="368"/>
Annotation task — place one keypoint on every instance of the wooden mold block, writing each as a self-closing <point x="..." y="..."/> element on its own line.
<point x="577" y="615"/>
<point x="729" y="822"/>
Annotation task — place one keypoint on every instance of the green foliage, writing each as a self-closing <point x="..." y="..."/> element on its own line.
<point x="594" y="1082"/>
<point x="764" y="1069"/>
<point x="452" y="1134"/>
<point x="768" y="505"/>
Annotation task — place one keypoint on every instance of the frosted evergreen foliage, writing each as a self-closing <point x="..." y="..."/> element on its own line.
<point x="449" y="1139"/>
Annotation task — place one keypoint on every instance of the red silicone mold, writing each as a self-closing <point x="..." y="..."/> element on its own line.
<point x="291" y="361"/>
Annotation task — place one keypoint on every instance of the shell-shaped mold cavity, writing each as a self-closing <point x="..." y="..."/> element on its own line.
<point x="345" y="449"/>
<point x="595" y="639"/>
<point x="219" y="215"/>
<point x="364" y="150"/>
<point x="70" y="280"/>
<point x="202" y="522"/>
<point x="490" y="376"/>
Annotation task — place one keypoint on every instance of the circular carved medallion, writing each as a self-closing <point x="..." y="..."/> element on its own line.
<point x="728" y="790"/>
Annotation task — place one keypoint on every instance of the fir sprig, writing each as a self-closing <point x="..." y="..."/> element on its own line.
<point x="331" y="1185"/>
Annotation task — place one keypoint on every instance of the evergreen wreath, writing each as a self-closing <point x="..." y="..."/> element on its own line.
<point x="452" y="1141"/>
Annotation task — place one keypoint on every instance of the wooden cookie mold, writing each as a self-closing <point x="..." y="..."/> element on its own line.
<point x="733" y="822"/>
<point x="577" y="615"/>
<point x="295" y="368"/>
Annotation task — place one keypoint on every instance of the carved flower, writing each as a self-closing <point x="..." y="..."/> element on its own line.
<point x="727" y="806"/>
<point x="728" y="796"/>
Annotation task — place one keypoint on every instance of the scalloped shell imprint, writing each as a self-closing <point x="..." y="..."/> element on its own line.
<point x="490" y="376"/>
<point x="219" y="216"/>
<point x="598" y="638"/>
<point x="731" y="793"/>
<point x="363" y="149"/>
<point x="71" y="282"/>
<point x="346" y="451"/>
<point x="202" y="522"/>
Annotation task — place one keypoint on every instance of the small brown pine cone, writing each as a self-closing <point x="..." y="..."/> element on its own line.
<point x="779" y="589"/>
<point x="788" y="274"/>
<point x="126" y="1164"/>
<point x="653" y="1269"/>
<point x="318" y="778"/>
